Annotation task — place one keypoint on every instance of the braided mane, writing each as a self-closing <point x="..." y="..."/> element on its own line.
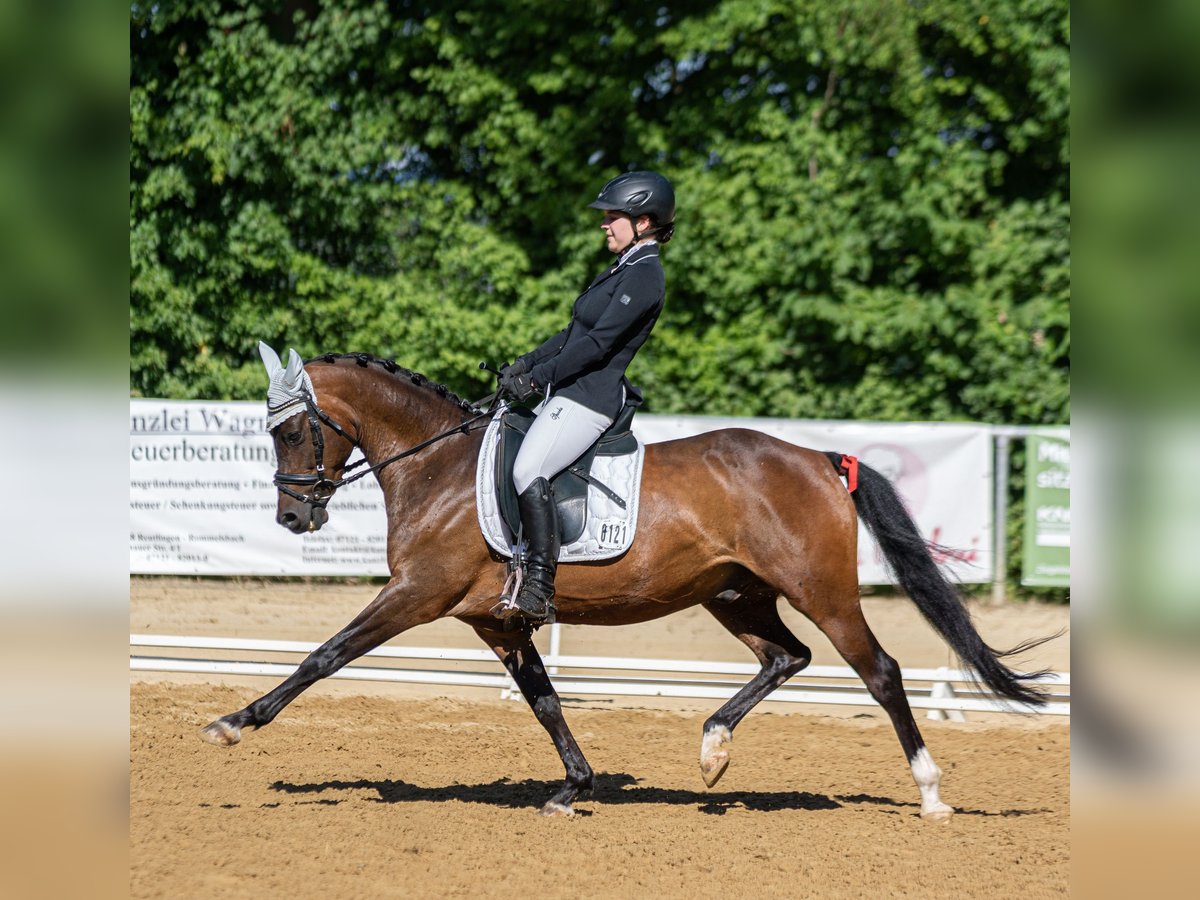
<point x="390" y="366"/>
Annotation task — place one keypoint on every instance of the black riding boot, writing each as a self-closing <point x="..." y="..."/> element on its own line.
<point x="539" y="520"/>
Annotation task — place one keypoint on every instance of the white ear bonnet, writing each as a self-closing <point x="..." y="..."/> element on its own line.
<point x="289" y="387"/>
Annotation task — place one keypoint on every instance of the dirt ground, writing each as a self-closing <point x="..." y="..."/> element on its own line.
<point x="399" y="791"/>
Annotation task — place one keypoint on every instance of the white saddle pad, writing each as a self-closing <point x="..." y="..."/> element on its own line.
<point x="608" y="531"/>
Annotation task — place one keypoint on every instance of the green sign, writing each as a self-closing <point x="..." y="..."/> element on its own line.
<point x="1047" y="511"/>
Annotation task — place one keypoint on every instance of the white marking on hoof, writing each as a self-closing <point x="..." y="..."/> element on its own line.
<point x="928" y="778"/>
<point x="714" y="754"/>
<point x="940" y="815"/>
<point x="221" y="733"/>
<point x="556" y="810"/>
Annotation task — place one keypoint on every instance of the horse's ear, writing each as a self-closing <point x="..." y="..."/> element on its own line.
<point x="270" y="359"/>
<point x="294" y="371"/>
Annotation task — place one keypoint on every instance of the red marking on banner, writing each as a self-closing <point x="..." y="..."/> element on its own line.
<point x="942" y="554"/>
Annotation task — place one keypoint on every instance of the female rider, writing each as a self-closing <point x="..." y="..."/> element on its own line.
<point x="580" y="372"/>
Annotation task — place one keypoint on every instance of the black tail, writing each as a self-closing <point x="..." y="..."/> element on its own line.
<point x="937" y="598"/>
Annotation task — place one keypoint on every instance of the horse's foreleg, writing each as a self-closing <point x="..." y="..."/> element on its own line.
<point x="521" y="659"/>
<point x="755" y="622"/>
<point x="390" y="613"/>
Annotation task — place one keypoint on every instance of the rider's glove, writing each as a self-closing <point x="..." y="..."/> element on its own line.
<point x="518" y="386"/>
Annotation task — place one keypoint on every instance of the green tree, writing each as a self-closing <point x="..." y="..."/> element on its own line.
<point x="873" y="196"/>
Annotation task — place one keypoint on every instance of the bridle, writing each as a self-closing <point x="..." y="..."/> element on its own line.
<point x="321" y="486"/>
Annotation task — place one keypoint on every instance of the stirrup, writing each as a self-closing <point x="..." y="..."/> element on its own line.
<point x="507" y="607"/>
<point x="516" y="588"/>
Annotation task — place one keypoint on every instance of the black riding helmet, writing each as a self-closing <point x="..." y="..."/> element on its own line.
<point x="641" y="194"/>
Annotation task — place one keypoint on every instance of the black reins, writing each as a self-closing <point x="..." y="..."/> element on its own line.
<point x="322" y="487"/>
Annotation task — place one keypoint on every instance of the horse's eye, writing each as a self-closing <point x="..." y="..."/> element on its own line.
<point x="293" y="438"/>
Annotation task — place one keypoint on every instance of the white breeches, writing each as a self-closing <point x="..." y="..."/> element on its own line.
<point x="559" y="435"/>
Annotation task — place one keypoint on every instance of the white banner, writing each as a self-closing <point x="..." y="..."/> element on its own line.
<point x="201" y="499"/>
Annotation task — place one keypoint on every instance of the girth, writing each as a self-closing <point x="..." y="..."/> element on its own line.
<point x="570" y="486"/>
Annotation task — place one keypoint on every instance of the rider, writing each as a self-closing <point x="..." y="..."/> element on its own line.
<point x="580" y="372"/>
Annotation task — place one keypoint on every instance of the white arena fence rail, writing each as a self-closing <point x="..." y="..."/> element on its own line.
<point x="946" y="693"/>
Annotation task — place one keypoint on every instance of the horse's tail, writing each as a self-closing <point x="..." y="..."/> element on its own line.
<point x="939" y="601"/>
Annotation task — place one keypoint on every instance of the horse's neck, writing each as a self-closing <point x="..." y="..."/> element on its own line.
<point x="395" y="415"/>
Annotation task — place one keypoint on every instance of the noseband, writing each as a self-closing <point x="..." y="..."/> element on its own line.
<point x="321" y="486"/>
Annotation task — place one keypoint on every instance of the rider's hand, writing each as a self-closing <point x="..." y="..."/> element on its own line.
<point x="515" y="368"/>
<point x="518" y="386"/>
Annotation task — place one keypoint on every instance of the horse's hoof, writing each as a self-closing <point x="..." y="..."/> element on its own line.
<point x="556" y="810"/>
<point x="714" y="754"/>
<point x="939" y="814"/>
<point x="221" y="733"/>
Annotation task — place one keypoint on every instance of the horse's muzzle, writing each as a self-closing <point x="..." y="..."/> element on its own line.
<point x="299" y="523"/>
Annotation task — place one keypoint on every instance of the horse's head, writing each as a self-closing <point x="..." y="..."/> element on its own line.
<point x="310" y="447"/>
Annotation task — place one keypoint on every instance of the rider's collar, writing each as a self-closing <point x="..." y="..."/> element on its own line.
<point x="630" y="251"/>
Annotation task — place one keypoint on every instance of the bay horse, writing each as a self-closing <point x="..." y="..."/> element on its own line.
<point x="731" y="520"/>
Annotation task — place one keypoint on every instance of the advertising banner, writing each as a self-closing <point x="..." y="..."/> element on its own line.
<point x="201" y="499"/>
<point x="1047" y="557"/>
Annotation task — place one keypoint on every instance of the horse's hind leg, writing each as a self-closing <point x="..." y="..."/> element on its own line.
<point x="754" y="621"/>
<point x="390" y="613"/>
<point x="853" y="639"/>
<point x="520" y="657"/>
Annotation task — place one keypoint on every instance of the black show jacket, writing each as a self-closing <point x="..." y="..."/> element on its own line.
<point x="586" y="361"/>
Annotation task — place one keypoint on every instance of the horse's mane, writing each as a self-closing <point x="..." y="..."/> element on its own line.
<point x="391" y="367"/>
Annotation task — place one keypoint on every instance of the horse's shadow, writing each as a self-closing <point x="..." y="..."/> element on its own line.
<point x="888" y="801"/>
<point x="609" y="789"/>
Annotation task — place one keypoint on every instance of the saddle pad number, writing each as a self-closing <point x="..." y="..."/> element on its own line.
<point x="613" y="533"/>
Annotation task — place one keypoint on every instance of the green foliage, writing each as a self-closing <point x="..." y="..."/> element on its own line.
<point x="873" y="196"/>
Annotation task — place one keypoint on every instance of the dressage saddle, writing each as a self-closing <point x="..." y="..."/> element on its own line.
<point x="570" y="486"/>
